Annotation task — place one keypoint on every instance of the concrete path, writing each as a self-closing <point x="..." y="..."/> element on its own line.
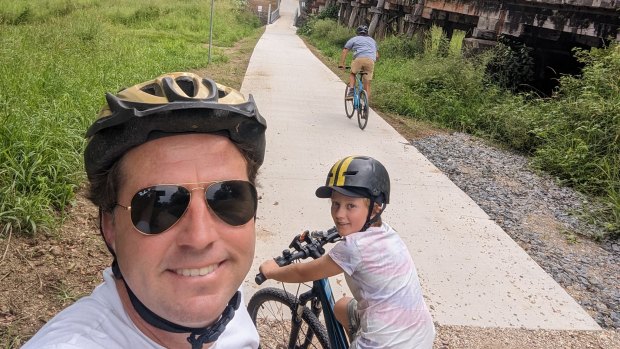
<point x="471" y="271"/>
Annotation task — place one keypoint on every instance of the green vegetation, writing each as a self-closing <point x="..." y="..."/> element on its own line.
<point x="59" y="57"/>
<point x="573" y="135"/>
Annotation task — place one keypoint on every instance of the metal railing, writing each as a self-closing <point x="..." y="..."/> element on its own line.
<point x="273" y="15"/>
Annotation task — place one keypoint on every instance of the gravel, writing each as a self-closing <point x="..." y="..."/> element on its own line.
<point x="542" y="217"/>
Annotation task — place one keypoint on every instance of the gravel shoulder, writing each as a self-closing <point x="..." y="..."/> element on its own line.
<point x="543" y="219"/>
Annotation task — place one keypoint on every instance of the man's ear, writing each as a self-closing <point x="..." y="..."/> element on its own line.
<point x="108" y="229"/>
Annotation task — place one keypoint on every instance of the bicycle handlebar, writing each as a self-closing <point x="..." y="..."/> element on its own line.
<point x="304" y="245"/>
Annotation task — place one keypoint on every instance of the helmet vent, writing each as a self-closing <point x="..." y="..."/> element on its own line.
<point x="350" y="173"/>
<point x="153" y="89"/>
<point x="187" y="85"/>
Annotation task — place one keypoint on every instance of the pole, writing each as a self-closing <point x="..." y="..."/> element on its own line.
<point x="269" y="14"/>
<point x="210" y="31"/>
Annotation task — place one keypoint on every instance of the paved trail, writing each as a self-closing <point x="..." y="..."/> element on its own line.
<point x="472" y="273"/>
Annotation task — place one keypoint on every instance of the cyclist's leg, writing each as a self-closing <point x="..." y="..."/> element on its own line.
<point x="346" y="313"/>
<point x="369" y="68"/>
<point x="356" y="66"/>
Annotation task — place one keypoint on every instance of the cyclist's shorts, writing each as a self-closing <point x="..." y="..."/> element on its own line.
<point x="364" y="64"/>
<point x="354" y="319"/>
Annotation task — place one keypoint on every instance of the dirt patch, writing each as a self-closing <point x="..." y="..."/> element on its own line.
<point x="43" y="275"/>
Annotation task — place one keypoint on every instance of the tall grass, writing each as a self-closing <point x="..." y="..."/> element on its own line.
<point x="59" y="57"/>
<point x="574" y="136"/>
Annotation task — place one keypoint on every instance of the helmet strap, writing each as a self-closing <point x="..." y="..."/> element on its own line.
<point x="197" y="336"/>
<point x="371" y="208"/>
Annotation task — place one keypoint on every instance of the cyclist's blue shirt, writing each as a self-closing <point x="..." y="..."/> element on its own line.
<point x="362" y="47"/>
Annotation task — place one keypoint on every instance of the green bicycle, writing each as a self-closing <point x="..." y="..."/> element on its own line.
<point x="358" y="103"/>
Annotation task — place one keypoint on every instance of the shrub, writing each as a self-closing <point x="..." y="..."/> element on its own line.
<point x="48" y="95"/>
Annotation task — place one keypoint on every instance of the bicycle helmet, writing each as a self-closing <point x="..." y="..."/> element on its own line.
<point x="359" y="176"/>
<point x="362" y="30"/>
<point x="173" y="103"/>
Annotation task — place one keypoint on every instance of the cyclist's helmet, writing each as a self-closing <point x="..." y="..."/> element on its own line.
<point x="173" y="103"/>
<point x="358" y="176"/>
<point x="362" y="30"/>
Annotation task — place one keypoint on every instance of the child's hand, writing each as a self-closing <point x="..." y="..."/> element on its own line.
<point x="268" y="268"/>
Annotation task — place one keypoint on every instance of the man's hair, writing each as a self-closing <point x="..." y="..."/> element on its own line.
<point x="104" y="187"/>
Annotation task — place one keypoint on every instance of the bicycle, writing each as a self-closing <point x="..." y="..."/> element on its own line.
<point x="359" y="102"/>
<point x="284" y="320"/>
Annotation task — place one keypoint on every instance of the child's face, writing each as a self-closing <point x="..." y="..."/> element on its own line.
<point x="349" y="213"/>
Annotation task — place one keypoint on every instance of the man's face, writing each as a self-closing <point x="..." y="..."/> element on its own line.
<point x="156" y="267"/>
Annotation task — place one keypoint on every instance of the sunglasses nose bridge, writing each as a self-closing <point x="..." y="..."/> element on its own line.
<point x="198" y="220"/>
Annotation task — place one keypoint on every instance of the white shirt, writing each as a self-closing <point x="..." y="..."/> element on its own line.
<point x="382" y="277"/>
<point x="99" y="321"/>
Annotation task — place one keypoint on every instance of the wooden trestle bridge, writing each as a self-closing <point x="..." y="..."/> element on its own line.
<point x="556" y="22"/>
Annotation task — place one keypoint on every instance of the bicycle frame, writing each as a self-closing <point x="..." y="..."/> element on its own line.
<point x="359" y="86"/>
<point x="320" y="296"/>
<point x="322" y="291"/>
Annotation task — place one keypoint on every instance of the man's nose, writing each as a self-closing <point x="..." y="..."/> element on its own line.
<point x="200" y="226"/>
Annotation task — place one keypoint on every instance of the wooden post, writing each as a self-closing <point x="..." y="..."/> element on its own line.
<point x="375" y="17"/>
<point x="415" y="18"/>
<point x="353" y="17"/>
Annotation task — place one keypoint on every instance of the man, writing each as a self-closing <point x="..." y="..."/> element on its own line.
<point x="365" y="54"/>
<point x="171" y="165"/>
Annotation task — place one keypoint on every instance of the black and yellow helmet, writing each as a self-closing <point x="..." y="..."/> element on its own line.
<point x="174" y="103"/>
<point x="358" y="176"/>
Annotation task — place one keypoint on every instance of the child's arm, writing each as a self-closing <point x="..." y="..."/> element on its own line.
<point x="320" y="268"/>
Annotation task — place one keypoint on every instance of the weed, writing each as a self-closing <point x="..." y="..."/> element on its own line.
<point x="59" y="57"/>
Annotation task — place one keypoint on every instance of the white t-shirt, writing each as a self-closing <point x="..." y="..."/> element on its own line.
<point x="382" y="277"/>
<point x="99" y="321"/>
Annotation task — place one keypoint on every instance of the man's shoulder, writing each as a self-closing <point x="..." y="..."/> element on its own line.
<point x="95" y="321"/>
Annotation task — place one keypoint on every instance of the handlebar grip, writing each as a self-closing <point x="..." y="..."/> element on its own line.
<point x="260" y="278"/>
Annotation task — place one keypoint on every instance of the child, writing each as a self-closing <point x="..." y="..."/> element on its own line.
<point x="388" y="310"/>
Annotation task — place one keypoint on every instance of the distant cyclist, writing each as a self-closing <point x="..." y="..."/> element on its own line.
<point x="365" y="54"/>
<point x="388" y="310"/>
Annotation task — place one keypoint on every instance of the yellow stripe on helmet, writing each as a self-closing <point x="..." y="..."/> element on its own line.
<point x="337" y="178"/>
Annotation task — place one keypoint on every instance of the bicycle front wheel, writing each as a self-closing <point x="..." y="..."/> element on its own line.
<point x="348" y="103"/>
<point x="273" y="312"/>
<point x="362" y="110"/>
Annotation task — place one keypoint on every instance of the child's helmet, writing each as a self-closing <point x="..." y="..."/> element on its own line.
<point x="358" y="176"/>
<point x="362" y="30"/>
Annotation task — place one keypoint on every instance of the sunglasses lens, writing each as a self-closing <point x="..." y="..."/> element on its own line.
<point x="157" y="208"/>
<point x="234" y="202"/>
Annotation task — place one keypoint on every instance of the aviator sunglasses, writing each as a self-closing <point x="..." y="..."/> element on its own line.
<point x="157" y="208"/>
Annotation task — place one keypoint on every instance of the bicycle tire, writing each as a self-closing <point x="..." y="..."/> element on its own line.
<point x="362" y="110"/>
<point x="349" y="107"/>
<point x="271" y="310"/>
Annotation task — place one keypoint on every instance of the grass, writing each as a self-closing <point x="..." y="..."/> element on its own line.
<point x="59" y="57"/>
<point x="573" y="135"/>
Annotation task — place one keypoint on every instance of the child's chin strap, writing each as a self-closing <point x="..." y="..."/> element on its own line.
<point x="370" y="221"/>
